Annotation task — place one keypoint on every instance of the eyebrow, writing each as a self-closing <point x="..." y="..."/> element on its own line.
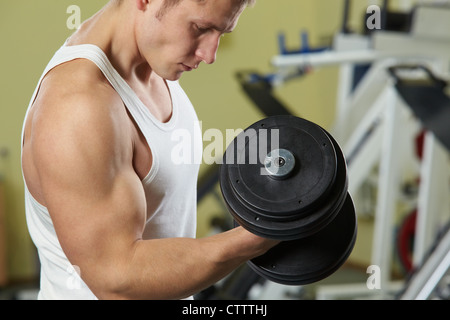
<point x="210" y="25"/>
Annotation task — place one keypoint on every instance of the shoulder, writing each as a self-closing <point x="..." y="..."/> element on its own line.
<point x="76" y="81"/>
<point x="76" y="93"/>
<point x="77" y="113"/>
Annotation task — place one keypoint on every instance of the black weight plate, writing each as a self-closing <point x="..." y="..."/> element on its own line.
<point x="314" y="258"/>
<point x="294" y="229"/>
<point x="310" y="182"/>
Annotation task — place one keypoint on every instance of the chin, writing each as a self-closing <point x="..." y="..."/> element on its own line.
<point x="170" y="74"/>
<point x="174" y="77"/>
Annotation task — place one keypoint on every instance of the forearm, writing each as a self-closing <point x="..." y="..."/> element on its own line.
<point x="178" y="268"/>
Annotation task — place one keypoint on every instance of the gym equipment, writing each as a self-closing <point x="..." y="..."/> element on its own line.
<point x="259" y="89"/>
<point x="431" y="280"/>
<point x="296" y="192"/>
<point x="427" y="98"/>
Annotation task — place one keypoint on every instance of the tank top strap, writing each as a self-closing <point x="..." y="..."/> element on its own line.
<point x="138" y="110"/>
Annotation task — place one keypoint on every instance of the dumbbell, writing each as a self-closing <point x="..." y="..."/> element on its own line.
<point x="285" y="178"/>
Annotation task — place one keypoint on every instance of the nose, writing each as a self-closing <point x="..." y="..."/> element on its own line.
<point x="207" y="49"/>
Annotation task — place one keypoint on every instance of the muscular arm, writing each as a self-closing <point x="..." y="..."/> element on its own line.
<point x="82" y="151"/>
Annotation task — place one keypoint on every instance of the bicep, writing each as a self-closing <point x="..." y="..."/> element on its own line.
<point x="93" y="195"/>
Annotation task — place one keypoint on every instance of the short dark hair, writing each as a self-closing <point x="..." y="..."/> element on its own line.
<point x="171" y="3"/>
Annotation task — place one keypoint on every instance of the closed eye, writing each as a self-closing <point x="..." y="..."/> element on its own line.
<point x="200" y="29"/>
<point x="210" y="27"/>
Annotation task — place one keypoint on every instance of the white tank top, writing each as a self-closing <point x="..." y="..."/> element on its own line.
<point x="170" y="186"/>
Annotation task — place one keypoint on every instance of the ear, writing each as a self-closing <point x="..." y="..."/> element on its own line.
<point x="142" y="4"/>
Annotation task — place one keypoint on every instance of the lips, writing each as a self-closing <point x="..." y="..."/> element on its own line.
<point x="186" y="67"/>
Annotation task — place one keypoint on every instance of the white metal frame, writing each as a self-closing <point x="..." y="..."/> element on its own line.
<point x="374" y="113"/>
<point x="434" y="269"/>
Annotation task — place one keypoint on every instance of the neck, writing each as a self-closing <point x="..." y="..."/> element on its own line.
<point x="112" y="30"/>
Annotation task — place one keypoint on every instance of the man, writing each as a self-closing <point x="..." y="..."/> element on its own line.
<point x="111" y="215"/>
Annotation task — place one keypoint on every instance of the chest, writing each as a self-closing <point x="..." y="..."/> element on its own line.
<point x="156" y="98"/>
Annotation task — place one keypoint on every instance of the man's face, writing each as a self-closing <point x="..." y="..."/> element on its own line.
<point x="184" y="35"/>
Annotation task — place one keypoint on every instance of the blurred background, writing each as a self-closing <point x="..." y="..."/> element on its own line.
<point x="377" y="80"/>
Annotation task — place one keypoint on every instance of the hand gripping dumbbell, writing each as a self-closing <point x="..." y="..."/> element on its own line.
<point x="285" y="178"/>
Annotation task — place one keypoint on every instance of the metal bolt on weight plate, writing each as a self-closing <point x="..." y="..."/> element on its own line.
<point x="279" y="163"/>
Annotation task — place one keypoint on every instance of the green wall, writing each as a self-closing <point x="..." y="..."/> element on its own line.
<point x="32" y="30"/>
